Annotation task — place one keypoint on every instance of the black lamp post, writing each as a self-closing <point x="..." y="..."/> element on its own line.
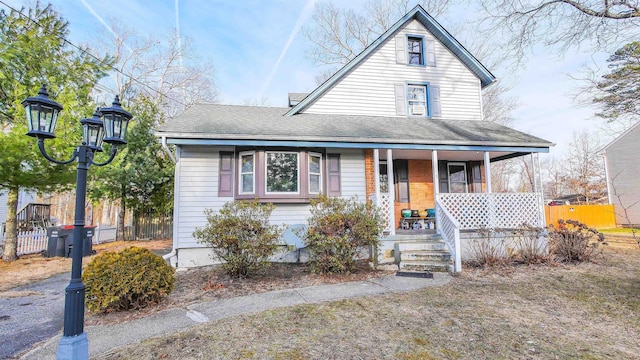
<point x="42" y="114"/>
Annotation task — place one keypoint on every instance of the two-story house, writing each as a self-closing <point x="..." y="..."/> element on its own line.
<point x="401" y="125"/>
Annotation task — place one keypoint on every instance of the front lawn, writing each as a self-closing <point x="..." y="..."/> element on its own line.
<point x="589" y="310"/>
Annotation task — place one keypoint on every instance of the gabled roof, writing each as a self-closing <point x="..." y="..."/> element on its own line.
<point x="439" y="32"/>
<point x="624" y="134"/>
<point x="235" y="124"/>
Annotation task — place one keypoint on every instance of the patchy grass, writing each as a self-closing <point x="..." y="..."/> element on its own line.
<point x="620" y="230"/>
<point x="30" y="268"/>
<point x="587" y="310"/>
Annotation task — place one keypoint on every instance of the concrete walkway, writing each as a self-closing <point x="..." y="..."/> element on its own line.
<point x="103" y="339"/>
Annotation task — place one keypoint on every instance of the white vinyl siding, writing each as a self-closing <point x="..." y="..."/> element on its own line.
<point x="352" y="173"/>
<point x="370" y="88"/>
<point x="198" y="172"/>
<point x="198" y="189"/>
<point x="623" y="172"/>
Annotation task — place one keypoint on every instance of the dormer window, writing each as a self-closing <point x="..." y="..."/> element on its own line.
<point x="414" y="45"/>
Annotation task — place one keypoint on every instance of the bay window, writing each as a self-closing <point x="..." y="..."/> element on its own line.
<point x="280" y="175"/>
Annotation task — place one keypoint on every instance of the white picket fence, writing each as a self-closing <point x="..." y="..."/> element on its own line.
<point x="35" y="241"/>
<point x="32" y="242"/>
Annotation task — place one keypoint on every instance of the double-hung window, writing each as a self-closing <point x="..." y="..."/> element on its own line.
<point x="417" y="100"/>
<point x="315" y="173"/>
<point x="415" y="51"/>
<point x="247" y="173"/>
<point x="282" y="172"/>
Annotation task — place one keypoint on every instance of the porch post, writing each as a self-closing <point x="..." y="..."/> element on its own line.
<point x="392" y="193"/>
<point x="436" y="176"/>
<point x="491" y="206"/>
<point x="487" y="171"/>
<point x="534" y="173"/>
<point x="376" y="175"/>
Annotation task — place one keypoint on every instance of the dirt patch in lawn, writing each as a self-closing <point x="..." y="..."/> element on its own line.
<point x="210" y="283"/>
<point x="30" y="268"/>
<point x="587" y="310"/>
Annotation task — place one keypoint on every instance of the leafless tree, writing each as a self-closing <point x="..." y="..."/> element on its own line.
<point x="561" y="24"/>
<point x="624" y="205"/>
<point x="162" y="68"/>
<point x="585" y="168"/>
<point x="339" y="35"/>
<point x="553" y="174"/>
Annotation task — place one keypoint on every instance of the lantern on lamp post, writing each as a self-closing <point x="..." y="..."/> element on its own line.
<point x="108" y="125"/>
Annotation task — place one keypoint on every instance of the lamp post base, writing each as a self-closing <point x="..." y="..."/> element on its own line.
<point x="73" y="348"/>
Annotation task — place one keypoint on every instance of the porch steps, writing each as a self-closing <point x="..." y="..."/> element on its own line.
<point x="423" y="254"/>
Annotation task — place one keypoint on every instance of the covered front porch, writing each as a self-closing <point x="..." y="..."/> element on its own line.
<point x="451" y="189"/>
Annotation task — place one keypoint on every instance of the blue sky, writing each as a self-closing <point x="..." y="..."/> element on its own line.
<point x="258" y="53"/>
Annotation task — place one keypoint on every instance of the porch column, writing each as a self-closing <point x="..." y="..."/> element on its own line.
<point x="392" y="193"/>
<point x="487" y="171"/>
<point x="534" y="173"/>
<point x="436" y="176"/>
<point x="376" y="175"/>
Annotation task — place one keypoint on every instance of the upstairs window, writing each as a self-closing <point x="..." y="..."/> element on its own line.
<point x="417" y="100"/>
<point x="414" y="47"/>
<point x="416" y="50"/>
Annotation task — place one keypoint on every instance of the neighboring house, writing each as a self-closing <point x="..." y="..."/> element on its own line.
<point x="405" y="115"/>
<point x="24" y="198"/>
<point x="623" y="172"/>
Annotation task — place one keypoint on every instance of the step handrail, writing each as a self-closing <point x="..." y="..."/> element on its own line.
<point x="449" y="228"/>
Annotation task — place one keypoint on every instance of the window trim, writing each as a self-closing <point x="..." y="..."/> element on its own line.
<point x="427" y="96"/>
<point x="466" y="177"/>
<point x="422" y="48"/>
<point x="309" y="173"/>
<point x="303" y="195"/>
<point x="240" y="172"/>
<point x="266" y="158"/>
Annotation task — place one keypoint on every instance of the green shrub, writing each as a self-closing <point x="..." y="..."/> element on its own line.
<point x="130" y="279"/>
<point x="574" y="241"/>
<point x="337" y="230"/>
<point x="240" y="235"/>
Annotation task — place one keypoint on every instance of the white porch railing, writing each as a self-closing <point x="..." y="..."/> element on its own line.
<point x="494" y="210"/>
<point x="449" y="229"/>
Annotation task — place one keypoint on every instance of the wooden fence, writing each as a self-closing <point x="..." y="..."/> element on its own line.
<point x="30" y="242"/>
<point x="594" y="216"/>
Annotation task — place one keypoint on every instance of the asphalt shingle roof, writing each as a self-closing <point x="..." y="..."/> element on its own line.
<point x="233" y="122"/>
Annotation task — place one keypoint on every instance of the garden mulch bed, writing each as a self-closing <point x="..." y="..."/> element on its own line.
<point x="209" y="283"/>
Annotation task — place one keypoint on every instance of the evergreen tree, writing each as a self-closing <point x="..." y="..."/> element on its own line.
<point x="33" y="51"/>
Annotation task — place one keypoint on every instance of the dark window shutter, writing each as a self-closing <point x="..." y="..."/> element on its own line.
<point x="443" y="176"/>
<point x="401" y="170"/>
<point x="475" y="176"/>
<point x="225" y="179"/>
<point x="333" y="175"/>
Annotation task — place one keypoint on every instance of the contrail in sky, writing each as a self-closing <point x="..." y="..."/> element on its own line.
<point x="301" y="19"/>
<point x="101" y="20"/>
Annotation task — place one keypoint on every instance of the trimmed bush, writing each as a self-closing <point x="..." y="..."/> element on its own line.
<point x="573" y="241"/>
<point x="240" y="235"/>
<point x="130" y="279"/>
<point x="337" y="230"/>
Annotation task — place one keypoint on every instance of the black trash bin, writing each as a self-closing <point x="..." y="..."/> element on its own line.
<point x="61" y="241"/>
